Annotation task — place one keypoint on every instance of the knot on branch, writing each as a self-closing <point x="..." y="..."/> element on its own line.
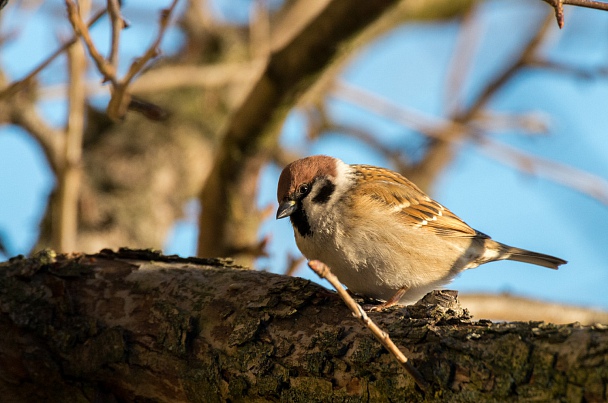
<point x="440" y="306"/>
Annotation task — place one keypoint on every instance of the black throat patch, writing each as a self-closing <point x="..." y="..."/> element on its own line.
<point x="299" y="220"/>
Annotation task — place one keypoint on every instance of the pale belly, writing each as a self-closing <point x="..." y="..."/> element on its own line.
<point x="377" y="266"/>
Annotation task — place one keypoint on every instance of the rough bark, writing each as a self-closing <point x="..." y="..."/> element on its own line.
<point x="140" y="326"/>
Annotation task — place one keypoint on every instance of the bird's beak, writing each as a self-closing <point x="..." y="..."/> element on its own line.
<point x="286" y="209"/>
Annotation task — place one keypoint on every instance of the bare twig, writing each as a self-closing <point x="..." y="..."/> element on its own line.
<point x="568" y="176"/>
<point x="557" y="67"/>
<point x="558" y="6"/>
<point x="467" y="44"/>
<point x="526" y="56"/>
<point x="582" y="181"/>
<point x="530" y="123"/>
<point x="153" y="50"/>
<point x="117" y="26"/>
<point x="106" y="69"/>
<point x="120" y="99"/>
<point x="323" y="271"/>
<point x="24" y="82"/>
<point x="293" y="263"/>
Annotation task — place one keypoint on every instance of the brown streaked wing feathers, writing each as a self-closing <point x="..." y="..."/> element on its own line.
<point x="417" y="208"/>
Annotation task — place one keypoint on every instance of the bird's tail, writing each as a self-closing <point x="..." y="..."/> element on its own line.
<point x="507" y="252"/>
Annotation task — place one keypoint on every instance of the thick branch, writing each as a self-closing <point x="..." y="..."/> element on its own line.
<point x="310" y="35"/>
<point x="136" y="325"/>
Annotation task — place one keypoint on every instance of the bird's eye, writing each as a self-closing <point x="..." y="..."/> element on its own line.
<point x="304" y="188"/>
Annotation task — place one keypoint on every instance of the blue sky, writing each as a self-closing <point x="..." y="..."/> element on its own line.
<point x="408" y="67"/>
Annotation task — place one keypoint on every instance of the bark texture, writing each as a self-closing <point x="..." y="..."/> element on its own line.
<point x="140" y="326"/>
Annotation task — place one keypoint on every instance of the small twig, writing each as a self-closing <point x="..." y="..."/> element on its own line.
<point x="568" y="176"/>
<point x="293" y="262"/>
<point x="582" y="181"/>
<point x="526" y="56"/>
<point x="121" y="99"/>
<point x="468" y="42"/>
<point x="106" y="69"/>
<point x="324" y="272"/>
<point x="585" y="74"/>
<point x="558" y="6"/>
<point x="531" y="123"/>
<point x="117" y="26"/>
<point x="25" y="81"/>
<point x="152" y="51"/>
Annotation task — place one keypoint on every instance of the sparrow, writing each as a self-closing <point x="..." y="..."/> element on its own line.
<point x="379" y="233"/>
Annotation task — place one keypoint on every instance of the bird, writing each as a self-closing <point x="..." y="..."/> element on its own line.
<point x="381" y="235"/>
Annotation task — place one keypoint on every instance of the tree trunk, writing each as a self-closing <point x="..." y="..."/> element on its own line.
<point x="140" y="326"/>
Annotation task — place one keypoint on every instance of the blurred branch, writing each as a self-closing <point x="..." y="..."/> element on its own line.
<point x="65" y="204"/>
<point x="467" y="43"/>
<point x="23" y="113"/>
<point x="106" y="69"/>
<point x="176" y="77"/>
<point x="259" y="30"/>
<point x="117" y="26"/>
<point x="320" y="123"/>
<point x="585" y="74"/>
<point x="153" y="50"/>
<point x="24" y="82"/>
<point x="530" y="123"/>
<point x="577" y="179"/>
<point x="209" y="76"/>
<point x="374" y="103"/>
<point x="526" y="56"/>
<point x="120" y="98"/>
<point x="440" y="152"/>
<point x="229" y="221"/>
<point x="558" y="6"/>
<point x="293" y="264"/>
<point x="443" y="130"/>
<point x="507" y="307"/>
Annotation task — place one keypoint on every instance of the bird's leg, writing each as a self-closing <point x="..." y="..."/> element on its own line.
<point x="394" y="300"/>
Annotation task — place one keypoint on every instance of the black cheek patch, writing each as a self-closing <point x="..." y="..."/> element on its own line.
<point x="300" y="222"/>
<point x="325" y="193"/>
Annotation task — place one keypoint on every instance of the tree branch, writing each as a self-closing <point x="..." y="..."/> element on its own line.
<point x="229" y="220"/>
<point x="65" y="203"/>
<point x="137" y="325"/>
<point x="582" y="181"/>
<point x="107" y="70"/>
<point x="24" y="82"/>
<point x="120" y="99"/>
<point x="558" y="6"/>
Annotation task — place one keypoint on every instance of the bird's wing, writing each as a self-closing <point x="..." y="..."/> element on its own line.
<point x="410" y="204"/>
